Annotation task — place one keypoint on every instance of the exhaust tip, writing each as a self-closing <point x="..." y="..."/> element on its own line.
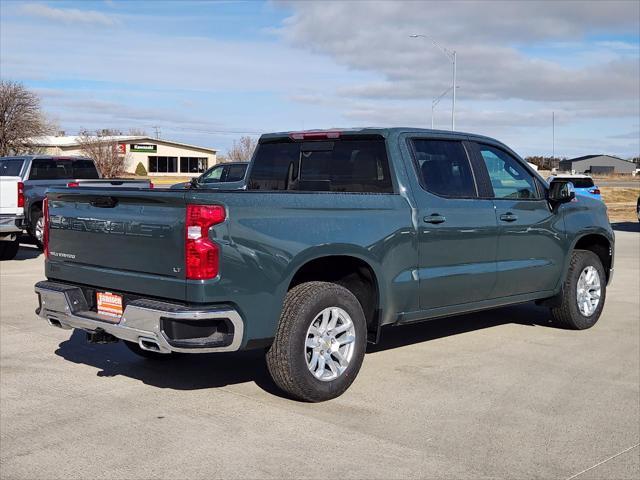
<point x="54" y="323"/>
<point x="149" y="345"/>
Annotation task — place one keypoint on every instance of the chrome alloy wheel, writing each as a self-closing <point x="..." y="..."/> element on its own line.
<point x="39" y="230"/>
<point x="588" y="291"/>
<point x="330" y="344"/>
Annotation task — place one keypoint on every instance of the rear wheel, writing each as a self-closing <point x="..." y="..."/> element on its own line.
<point x="36" y="227"/>
<point x="135" y="348"/>
<point x="320" y="342"/>
<point x="584" y="292"/>
<point x="9" y="249"/>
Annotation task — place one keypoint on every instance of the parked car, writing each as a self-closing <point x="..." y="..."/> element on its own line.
<point x="337" y="234"/>
<point x="37" y="173"/>
<point x="583" y="184"/>
<point x="11" y="213"/>
<point x="230" y="174"/>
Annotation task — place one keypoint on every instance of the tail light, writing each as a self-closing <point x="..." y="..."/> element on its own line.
<point x="318" y="135"/>
<point x="20" y="194"/>
<point x="202" y="256"/>
<point x="595" y="191"/>
<point x="151" y="184"/>
<point x="73" y="184"/>
<point x="45" y="233"/>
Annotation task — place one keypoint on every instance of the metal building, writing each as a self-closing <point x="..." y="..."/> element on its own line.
<point x="597" y="164"/>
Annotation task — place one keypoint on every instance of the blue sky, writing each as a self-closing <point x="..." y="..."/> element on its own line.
<point x="208" y="72"/>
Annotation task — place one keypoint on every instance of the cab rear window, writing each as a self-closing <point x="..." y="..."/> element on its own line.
<point x="322" y="166"/>
<point x="11" y="167"/>
<point x="53" y="169"/>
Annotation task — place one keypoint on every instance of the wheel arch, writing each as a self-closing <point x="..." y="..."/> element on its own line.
<point x="598" y="243"/>
<point x="353" y="271"/>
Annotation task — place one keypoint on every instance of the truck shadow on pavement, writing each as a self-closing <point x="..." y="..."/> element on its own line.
<point x="205" y="371"/>
<point x="527" y="314"/>
<point x="626" y="226"/>
<point x="183" y="372"/>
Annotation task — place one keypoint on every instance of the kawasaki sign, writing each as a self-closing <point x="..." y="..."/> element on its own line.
<point x="139" y="147"/>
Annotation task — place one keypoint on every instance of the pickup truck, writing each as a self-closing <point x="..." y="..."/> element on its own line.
<point x="39" y="172"/>
<point x="337" y="234"/>
<point x="11" y="215"/>
<point x="228" y="175"/>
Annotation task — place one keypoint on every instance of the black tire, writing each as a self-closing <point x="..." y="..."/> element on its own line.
<point x="286" y="359"/>
<point x="36" y="215"/>
<point x="568" y="315"/>
<point x="9" y="249"/>
<point x="135" y="348"/>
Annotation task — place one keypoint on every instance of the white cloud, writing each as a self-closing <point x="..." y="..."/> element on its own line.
<point x="68" y="15"/>
<point x="491" y="39"/>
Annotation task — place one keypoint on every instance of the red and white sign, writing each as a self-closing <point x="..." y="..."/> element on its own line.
<point x="121" y="148"/>
<point x="109" y="304"/>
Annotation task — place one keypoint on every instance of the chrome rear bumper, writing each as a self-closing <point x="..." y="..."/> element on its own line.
<point x="65" y="306"/>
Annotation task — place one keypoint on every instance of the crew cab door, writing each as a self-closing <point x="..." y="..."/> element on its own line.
<point x="531" y="241"/>
<point x="457" y="231"/>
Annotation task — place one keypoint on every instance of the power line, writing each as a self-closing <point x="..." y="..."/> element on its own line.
<point x="217" y="132"/>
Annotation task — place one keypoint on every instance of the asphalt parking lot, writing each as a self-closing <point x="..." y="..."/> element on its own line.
<point x="498" y="394"/>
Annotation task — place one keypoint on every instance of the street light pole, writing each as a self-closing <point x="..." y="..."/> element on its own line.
<point x="453" y="102"/>
<point x="435" y="102"/>
<point x="451" y="55"/>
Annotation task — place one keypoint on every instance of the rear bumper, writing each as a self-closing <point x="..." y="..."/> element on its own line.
<point x="145" y="322"/>
<point x="10" y="225"/>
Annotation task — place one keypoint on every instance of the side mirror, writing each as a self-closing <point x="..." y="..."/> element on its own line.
<point x="561" y="192"/>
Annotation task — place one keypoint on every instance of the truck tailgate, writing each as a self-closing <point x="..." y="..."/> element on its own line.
<point x="117" y="230"/>
<point x="9" y="196"/>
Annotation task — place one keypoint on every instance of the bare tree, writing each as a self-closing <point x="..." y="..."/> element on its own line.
<point x="241" y="151"/>
<point x="137" y="132"/>
<point x="21" y="119"/>
<point x="103" y="148"/>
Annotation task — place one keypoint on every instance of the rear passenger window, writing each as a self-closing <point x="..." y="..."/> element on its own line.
<point x="319" y="166"/>
<point x="444" y="168"/>
<point x="235" y="173"/>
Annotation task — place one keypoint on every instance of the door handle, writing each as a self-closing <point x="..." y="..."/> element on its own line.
<point x="508" y="217"/>
<point x="435" y="218"/>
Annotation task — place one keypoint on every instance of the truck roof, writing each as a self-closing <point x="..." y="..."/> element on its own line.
<point x="381" y="131"/>
<point x="52" y="157"/>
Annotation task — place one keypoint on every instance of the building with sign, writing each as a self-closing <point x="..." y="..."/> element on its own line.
<point x="159" y="157"/>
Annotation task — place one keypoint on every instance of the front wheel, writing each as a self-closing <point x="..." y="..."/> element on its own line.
<point x="584" y="292"/>
<point x="320" y="343"/>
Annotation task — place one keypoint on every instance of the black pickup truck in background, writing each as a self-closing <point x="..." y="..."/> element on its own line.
<point x="40" y="172"/>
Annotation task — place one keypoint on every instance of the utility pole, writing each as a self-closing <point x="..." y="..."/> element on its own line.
<point x="157" y="129"/>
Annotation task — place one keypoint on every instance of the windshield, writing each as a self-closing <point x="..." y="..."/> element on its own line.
<point x="10" y="167"/>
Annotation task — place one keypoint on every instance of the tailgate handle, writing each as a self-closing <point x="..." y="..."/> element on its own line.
<point x="104" y="202"/>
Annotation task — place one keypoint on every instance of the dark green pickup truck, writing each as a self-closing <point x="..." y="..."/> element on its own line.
<point x="333" y="235"/>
